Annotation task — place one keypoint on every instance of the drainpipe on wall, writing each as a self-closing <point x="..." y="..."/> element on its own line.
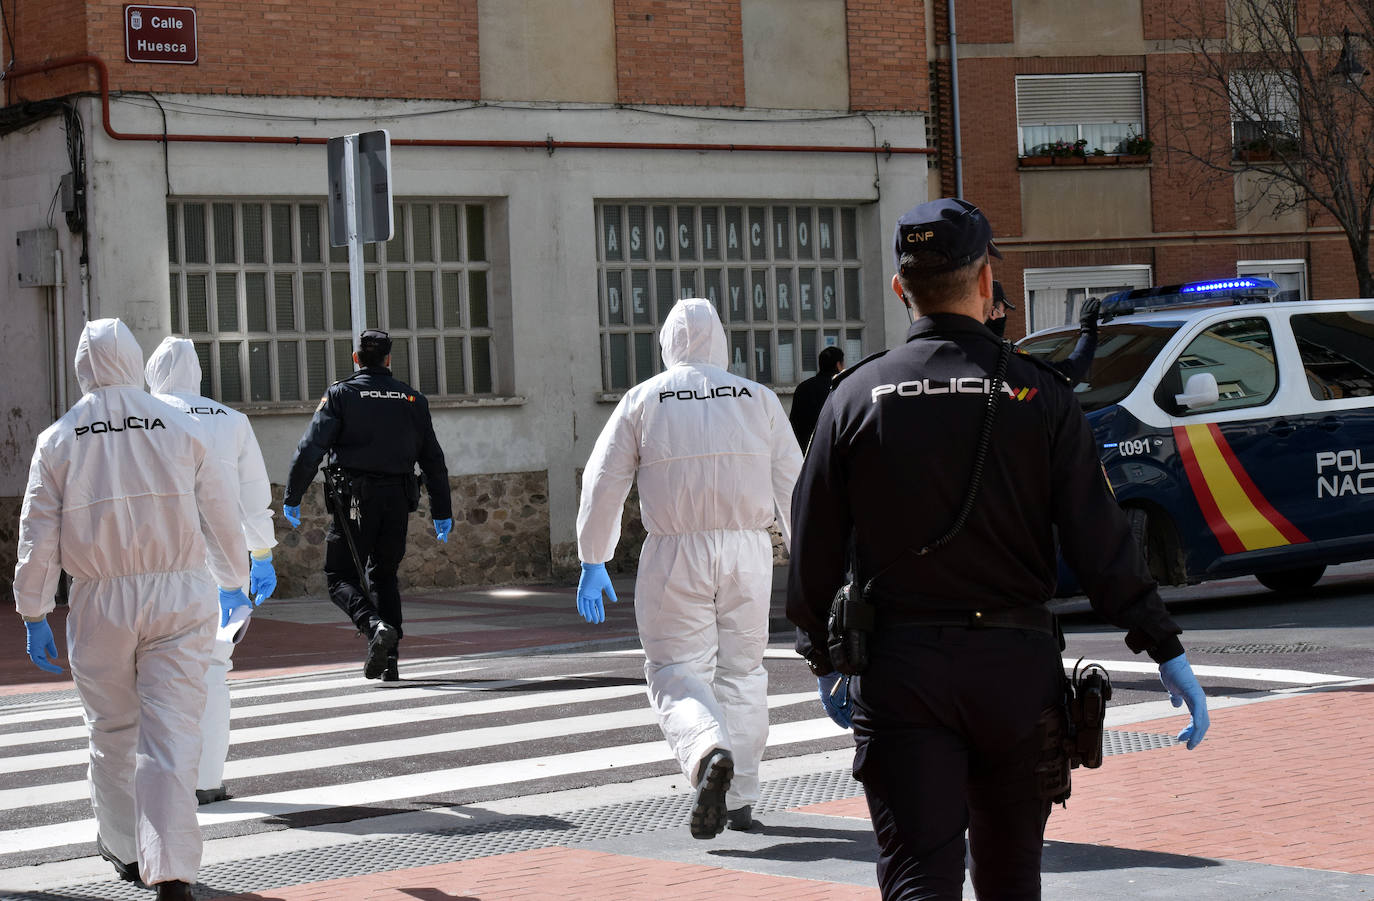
<point x="954" y="99"/>
<point x="59" y="337"/>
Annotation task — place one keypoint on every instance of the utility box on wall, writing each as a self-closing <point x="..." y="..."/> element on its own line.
<point x="37" y="257"/>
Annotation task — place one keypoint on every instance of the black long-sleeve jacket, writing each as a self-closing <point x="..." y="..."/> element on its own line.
<point x="807" y="401"/>
<point x="373" y="423"/>
<point x="890" y="463"/>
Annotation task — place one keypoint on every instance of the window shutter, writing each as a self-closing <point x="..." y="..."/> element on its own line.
<point x="1078" y="99"/>
<point x="1087" y="277"/>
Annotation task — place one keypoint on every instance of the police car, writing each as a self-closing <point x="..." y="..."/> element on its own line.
<point x="1233" y="427"/>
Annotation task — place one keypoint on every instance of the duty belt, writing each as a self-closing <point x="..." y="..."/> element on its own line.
<point x="378" y="479"/>
<point x="1037" y="619"/>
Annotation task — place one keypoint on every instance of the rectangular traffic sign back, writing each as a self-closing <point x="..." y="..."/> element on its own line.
<point x="370" y="177"/>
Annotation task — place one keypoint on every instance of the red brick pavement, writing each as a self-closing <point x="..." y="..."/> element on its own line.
<point x="568" y="875"/>
<point x="1283" y="782"/>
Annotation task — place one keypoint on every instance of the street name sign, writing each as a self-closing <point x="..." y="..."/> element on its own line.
<point x="160" y="34"/>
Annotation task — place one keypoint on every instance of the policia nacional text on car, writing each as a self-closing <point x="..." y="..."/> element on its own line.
<point x="375" y="428"/>
<point x="964" y="656"/>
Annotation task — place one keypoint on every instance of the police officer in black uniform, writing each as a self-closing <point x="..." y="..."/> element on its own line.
<point x="810" y="395"/>
<point x="1079" y="363"/>
<point x="375" y="428"/>
<point x="964" y="656"/>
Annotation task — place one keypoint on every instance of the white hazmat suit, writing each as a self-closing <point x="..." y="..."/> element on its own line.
<point x="173" y="374"/>
<point x="128" y="501"/>
<point x="716" y="461"/>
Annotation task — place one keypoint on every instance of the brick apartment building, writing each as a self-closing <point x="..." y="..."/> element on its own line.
<point x="1033" y="73"/>
<point x="563" y="170"/>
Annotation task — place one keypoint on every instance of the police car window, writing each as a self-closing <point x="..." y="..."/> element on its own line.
<point x="1239" y="353"/>
<point x="1337" y="351"/>
<point x="1124" y="352"/>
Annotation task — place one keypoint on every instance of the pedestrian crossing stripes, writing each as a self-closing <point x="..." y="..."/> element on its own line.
<point x="330" y="743"/>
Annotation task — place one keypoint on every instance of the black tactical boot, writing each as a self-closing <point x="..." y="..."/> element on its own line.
<point x="741" y="819"/>
<point x="211" y="795"/>
<point x="175" y="890"/>
<point x="713" y="780"/>
<point x="127" y="871"/>
<point x="379" y="648"/>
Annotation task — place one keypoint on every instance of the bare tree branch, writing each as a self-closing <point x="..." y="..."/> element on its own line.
<point x="1261" y="87"/>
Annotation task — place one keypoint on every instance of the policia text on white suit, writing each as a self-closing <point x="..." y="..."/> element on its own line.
<point x="135" y="514"/>
<point x="716" y="460"/>
<point x="173" y="374"/>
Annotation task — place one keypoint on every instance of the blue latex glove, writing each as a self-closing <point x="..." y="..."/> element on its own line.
<point x="292" y="514"/>
<point x="228" y="600"/>
<point x="1178" y="678"/>
<point x="41" y="646"/>
<point x="594" y="581"/>
<point x="441" y="529"/>
<point x="262" y="579"/>
<point x="834" y="690"/>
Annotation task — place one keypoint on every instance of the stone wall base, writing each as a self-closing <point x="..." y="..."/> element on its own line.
<point x="500" y="536"/>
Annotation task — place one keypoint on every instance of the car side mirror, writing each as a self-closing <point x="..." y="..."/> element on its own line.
<point x="1200" y="391"/>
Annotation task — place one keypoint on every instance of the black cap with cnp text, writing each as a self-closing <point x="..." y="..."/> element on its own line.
<point x="375" y="339"/>
<point x="942" y="235"/>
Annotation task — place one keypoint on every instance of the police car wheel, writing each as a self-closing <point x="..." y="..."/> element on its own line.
<point x="1291" y="579"/>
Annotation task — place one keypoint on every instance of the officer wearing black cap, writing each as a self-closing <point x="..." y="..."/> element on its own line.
<point x="375" y="429"/>
<point x="997" y="319"/>
<point x="1079" y="363"/>
<point x="963" y="656"/>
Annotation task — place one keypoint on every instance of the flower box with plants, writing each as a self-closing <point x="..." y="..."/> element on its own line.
<point x="1039" y="155"/>
<point x="1134" y="149"/>
<point x="1069" y="153"/>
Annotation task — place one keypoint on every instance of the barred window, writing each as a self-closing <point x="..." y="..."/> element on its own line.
<point x="785" y="279"/>
<point x="257" y="288"/>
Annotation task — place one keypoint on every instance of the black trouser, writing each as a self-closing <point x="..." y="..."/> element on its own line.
<point x="380" y="537"/>
<point x="945" y="734"/>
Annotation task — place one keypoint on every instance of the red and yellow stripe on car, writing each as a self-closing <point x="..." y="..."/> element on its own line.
<point x="1237" y="513"/>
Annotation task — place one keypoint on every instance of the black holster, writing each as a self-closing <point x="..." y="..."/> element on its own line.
<point x="1052" y="763"/>
<point x="847" y="629"/>
<point x="338" y="490"/>
<point x="1071" y="732"/>
<point x="1087" y="694"/>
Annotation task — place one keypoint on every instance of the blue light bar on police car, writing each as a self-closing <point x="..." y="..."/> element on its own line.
<point x="1228" y="284"/>
<point x="1250" y="289"/>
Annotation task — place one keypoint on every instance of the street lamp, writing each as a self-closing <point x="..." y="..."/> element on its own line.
<point x="1348" y="68"/>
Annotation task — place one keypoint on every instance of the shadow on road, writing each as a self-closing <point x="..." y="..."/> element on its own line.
<point x="1066" y="857"/>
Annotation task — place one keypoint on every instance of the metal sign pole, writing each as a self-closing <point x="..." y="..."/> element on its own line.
<point x="357" y="293"/>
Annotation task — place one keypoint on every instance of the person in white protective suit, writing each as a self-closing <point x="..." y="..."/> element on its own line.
<point x="125" y="498"/>
<point x="173" y="374"/>
<point x="716" y="460"/>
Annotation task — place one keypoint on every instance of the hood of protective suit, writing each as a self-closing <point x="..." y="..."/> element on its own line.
<point x="173" y="368"/>
<point x="692" y="333"/>
<point x="108" y="356"/>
